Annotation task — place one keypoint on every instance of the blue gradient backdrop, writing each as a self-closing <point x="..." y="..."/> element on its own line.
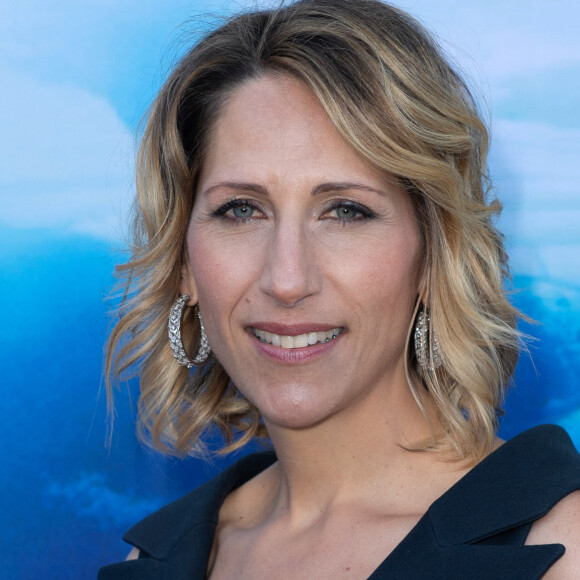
<point x="76" y="78"/>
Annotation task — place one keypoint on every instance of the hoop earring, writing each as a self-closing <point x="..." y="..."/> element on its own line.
<point x="428" y="361"/>
<point x="175" y="341"/>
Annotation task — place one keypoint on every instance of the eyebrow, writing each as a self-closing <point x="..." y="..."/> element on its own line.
<point x="320" y="188"/>
<point x="236" y="186"/>
<point x="344" y="186"/>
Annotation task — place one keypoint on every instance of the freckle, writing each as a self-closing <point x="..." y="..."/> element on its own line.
<point x="347" y="569"/>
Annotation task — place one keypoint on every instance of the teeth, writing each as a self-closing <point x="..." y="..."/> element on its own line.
<point x="299" y="341"/>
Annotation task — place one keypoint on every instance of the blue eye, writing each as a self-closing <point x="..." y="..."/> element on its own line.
<point x="238" y="210"/>
<point x="346" y="212"/>
<point x="349" y="211"/>
<point x="242" y="211"/>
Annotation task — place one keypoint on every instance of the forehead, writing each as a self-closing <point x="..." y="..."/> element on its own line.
<point x="275" y="123"/>
<point x="276" y="101"/>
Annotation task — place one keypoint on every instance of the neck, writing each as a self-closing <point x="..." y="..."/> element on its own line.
<point x="352" y="456"/>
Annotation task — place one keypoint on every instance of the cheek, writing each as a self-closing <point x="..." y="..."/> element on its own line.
<point x="390" y="269"/>
<point x="223" y="271"/>
<point x="387" y="295"/>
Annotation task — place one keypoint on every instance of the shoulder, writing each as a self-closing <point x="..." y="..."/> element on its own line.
<point x="156" y="534"/>
<point x="561" y="525"/>
<point x="176" y="541"/>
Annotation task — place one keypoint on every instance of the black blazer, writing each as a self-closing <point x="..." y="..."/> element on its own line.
<point x="476" y="530"/>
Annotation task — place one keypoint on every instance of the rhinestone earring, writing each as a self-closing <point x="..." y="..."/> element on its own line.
<point x="427" y="361"/>
<point x="175" y="341"/>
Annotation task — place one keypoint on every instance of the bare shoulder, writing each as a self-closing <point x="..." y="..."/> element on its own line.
<point x="561" y="525"/>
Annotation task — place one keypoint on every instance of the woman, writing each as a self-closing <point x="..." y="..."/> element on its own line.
<point x="312" y="182"/>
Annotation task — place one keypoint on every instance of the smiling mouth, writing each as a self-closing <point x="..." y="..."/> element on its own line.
<point x="298" y="341"/>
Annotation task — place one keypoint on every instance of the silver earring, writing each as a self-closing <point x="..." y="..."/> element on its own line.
<point x="174" y="328"/>
<point x="427" y="361"/>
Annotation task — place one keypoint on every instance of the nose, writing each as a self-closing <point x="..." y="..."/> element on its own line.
<point x="290" y="271"/>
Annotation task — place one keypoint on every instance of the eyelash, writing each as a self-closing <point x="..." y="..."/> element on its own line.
<point x="364" y="212"/>
<point x="221" y="211"/>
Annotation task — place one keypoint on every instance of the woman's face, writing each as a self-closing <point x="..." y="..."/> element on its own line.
<point x="304" y="260"/>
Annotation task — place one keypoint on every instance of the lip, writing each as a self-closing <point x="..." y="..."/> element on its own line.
<point x="293" y="356"/>
<point x="292" y="329"/>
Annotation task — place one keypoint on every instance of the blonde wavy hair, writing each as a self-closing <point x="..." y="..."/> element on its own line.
<point x="396" y="100"/>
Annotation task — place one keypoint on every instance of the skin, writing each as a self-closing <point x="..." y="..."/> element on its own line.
<point x="291" y="231"/>
<point x="560" y="526"/>
<point x="294" y="263"/>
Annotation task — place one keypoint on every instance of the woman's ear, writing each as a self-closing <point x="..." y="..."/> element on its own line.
<point x="187" y="284"/>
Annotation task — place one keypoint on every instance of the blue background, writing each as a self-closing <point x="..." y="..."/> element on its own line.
<point x="76" y="78"/>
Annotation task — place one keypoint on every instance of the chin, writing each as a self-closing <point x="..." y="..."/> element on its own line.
<point x="296" y="409"/>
